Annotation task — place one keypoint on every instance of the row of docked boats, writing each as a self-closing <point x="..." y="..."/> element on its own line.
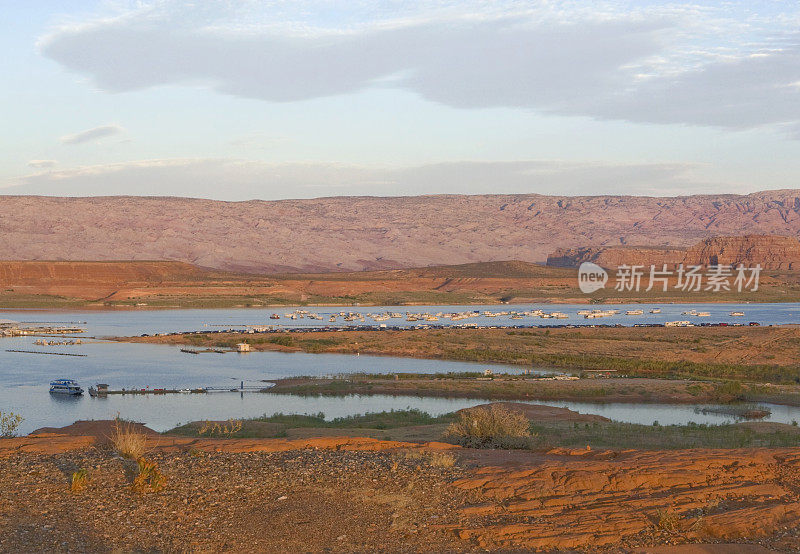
<point x="350" y="316"/>
<point x="708" y="314"/>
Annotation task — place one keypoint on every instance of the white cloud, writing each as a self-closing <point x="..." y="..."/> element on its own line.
<point x="42" y="164"/>
<point x="229" y="179"/>
<point x="679" y="64"/>
<point x="93" y="134"/>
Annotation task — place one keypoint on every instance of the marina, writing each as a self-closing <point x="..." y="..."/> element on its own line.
<point x="135" y="367"/>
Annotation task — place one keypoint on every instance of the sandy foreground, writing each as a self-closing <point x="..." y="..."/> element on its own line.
<point x="362" y="494"/>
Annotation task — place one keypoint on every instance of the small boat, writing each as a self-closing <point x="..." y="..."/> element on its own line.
<point x="737" y="314"/>
<point x="655" y="311"/>
<point x="274" y="316"/>
<point x="634" y="312"/>
<point x="65" y="386"/>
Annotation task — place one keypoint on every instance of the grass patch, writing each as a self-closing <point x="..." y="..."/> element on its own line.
<point x="618" y="435"/>
<point x="276" y="425"/>
<point x="127" y="441"/>
<point x="221" y="429"/>
<point x="374" y="420"/>
<point x="149" y="478"/>
<point x="79" y="481"/>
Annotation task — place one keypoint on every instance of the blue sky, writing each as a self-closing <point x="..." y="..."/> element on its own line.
<point x="240" y="100"/>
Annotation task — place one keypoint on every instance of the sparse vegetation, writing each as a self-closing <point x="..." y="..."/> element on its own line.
<point x="80" y="479"/>
<point x="493" y="427"/>
<point x="216" y="429"/>
<point x="127" y="441"/>
<point x="516" y="432"/>
<point x="9" y="423"/>
<point x="149" y="478"/>
<point x="374" y="420"/>
<point x="667" y="520"/>
<point x="276" y="425"/>
<point x="433" y="458"/>
<point x="618" y="435"/>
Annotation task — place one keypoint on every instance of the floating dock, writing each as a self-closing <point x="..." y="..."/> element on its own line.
<point x="199" y="390"/>
<point x="48" y="353"/>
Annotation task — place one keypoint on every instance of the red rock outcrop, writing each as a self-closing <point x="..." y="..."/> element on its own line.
<point x="583" y="498"/>
<point x="771" y="252"/>
<point x="615" y="256"/>
<point x="357" y="233"/>
<point x="563" y="499"/>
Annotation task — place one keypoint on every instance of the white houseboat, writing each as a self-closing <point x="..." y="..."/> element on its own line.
<point x="65" y="386"/>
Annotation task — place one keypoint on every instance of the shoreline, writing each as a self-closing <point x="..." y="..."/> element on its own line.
<point x="213" y="302"/>
<point x="763" y="354"/>
<point x="354" y="385"/>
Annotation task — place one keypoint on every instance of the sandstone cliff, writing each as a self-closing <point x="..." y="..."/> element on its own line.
<point x="615" y="256"/>
<point x="357" y="233"/>
<point x="771" y="252"/>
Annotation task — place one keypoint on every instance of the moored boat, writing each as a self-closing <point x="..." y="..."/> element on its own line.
<point x="68" y="387"/>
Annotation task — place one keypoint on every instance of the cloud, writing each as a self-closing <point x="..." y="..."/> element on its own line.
<point x="93" y="134"/>
<point x="230" y="179"/>
<point x="673" y="64"/>
<point x="42" y="164"/>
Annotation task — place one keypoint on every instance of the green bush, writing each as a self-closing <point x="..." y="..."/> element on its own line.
<point x="9" y="423"/>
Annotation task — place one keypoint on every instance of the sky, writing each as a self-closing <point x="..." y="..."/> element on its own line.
<point x="239" y="100"/>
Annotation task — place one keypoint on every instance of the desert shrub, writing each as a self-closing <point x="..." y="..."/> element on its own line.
<point x="667" y="520"/>
<point x="79" y="481"/>
<point x="127" y="441"/>
<point x="149" y="478"/>
<point x="9" y="423"/>
<point x="493" y="427"/>
<point x="728" y="391"/>
<point x="215" y="428"/>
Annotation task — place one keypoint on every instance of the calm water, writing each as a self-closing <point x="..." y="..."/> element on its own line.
<point x="24" y="377"/>
<point x="135" y="322"/>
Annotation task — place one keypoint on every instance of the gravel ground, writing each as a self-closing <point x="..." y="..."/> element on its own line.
<point x="309" y="500"/>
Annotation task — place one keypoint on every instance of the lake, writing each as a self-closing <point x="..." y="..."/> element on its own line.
<point x="24" y="378"/>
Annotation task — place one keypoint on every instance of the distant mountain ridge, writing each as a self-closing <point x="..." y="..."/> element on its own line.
<point x="373" y="233"/>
